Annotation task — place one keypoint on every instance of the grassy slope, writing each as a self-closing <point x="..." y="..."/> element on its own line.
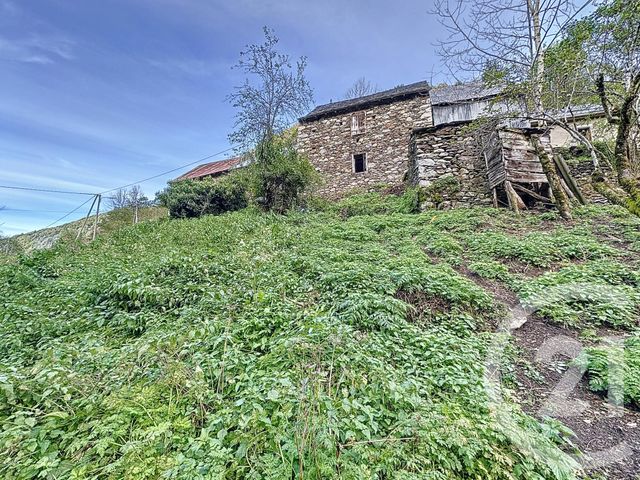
<point x="315" y="346"/>
<point x="48" y="237"/>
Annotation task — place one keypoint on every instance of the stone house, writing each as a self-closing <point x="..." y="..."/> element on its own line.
<point x="364" y="142"/>
<point x="417" y="134"/>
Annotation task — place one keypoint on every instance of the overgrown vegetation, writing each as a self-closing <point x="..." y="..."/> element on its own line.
<point x="615" y="370"/>
<point x="280" y="177"/>
<point x="194" y="198"/>
<point x="314" y="345"/>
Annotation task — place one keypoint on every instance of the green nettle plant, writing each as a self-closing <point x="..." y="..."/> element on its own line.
<point x="194" y="198"/>
<point x="310" y="346"/>
<point x="281" y="177"/>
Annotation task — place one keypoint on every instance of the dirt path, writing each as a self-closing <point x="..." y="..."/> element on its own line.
<point x="549" y="385"/>
<point x="608" y="435"/>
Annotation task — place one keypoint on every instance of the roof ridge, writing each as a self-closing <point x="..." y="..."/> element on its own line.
<point x="384" y="96"/>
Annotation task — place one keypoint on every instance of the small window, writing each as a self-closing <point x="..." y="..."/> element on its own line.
<point x="586" y="131"/>
<point x="358" y="121"/>
<point x="360" y="163"/>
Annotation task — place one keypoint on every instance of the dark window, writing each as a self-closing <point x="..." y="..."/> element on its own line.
<point x="586" y="131"/>
<point x="360" y="162"/>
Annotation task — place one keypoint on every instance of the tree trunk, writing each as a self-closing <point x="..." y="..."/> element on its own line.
<point x="515" y="202"/>
<point x="626" y="177"/>
<point x="560" y="197"/>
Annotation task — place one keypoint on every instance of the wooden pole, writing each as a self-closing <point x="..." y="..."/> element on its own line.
<point x="86" y="219"/>
<point x="563" y="168"/>
<point x="95" y="223"/>
<point x="549" y="168"/>
<point x="515" y="202"/>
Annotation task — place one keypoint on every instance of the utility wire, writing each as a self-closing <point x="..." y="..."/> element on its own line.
<point x="33" y="189"/>
<point x="6" y="209"/>
<point x="208" y="157"/>
<point x="71" y="212"/>
<point x="169" y="171"/>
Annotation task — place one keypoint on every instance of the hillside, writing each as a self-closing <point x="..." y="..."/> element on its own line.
<point x="350" y="343"/>
<point x="48" y="237"/>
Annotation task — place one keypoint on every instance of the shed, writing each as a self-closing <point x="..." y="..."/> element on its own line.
<point x="511" y="156"/>
<point x="513" y="164"/>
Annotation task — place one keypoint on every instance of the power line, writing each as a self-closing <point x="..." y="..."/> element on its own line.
<point x="71" y="212"/>
<point x="92" y="195"/>
<point x="34" y="189"/>
<point x="6" y="209"/>
<point x="208" y="157"/>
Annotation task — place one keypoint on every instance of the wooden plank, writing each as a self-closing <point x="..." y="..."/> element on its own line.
<point x="524" y="165"/>
<point x="535" y="195"/>
<point x="563" y="169"/>
<point x="526" y="177"/>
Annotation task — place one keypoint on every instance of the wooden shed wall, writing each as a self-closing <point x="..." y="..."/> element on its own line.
<point x="521" y="163"/>
<point x="494" y="159"/>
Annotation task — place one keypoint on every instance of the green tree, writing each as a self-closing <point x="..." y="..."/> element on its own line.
<point x="598" y="60"/>
<point x="281" y="176"/>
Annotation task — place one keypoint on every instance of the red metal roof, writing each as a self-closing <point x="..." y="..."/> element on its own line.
<point x="212" y="168"/>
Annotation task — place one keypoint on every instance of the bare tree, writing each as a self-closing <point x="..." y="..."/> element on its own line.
<point x="508" y="38"/>
<point x="360" y="88"/>
<point x="273" y="95"/>
<point x="119" y="199"/>
<point x="132" y="198"/>
<point x="614" y="57"/>
<point x="136" y="200"/>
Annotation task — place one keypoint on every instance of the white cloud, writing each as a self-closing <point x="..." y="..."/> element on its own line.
<point x="191" y="67"/>
<point x="36" y="48"/>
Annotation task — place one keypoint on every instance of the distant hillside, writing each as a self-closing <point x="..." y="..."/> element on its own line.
<point x="48" y="237"/>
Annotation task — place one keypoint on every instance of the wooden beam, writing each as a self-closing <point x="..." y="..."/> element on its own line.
<point x="533" y="194"/>
<point x="515" y="202"/>
<point x="95" y="223"/>
<point x="86" y="219"/>
<point x="564" y="171"/>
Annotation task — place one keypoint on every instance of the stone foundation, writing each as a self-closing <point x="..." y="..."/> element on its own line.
<point x="438" y="153"/>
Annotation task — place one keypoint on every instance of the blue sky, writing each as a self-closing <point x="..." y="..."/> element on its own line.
<point x="100" y="93"/>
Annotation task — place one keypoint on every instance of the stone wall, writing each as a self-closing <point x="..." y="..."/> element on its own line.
<point x="442" y="152"/>
<point x="330" y="145"/>
<point x="581" y="171"/>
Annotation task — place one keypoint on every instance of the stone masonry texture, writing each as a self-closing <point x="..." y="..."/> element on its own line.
<point x="330" y="145"/>
<point x="447" y="151"/>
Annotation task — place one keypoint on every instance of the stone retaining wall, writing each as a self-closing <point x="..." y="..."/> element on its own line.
<point x="437" y="153"/>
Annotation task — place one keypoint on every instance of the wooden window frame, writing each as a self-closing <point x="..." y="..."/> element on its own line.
<point x="358" y="123"/>
<point x="364" y="163"/>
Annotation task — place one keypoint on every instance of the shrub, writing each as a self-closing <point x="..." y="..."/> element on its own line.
<point x="280" y="176"/>
<point x="615" y="369"/>
<point x="441" y="190"/>
<point x="194" y="198"/>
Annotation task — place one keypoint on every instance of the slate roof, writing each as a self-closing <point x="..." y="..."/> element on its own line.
<point x="388" y="96"/>
<point x="582" y="111"/>
<point x="464" y="92"/>
<point x="212" y="168"/>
